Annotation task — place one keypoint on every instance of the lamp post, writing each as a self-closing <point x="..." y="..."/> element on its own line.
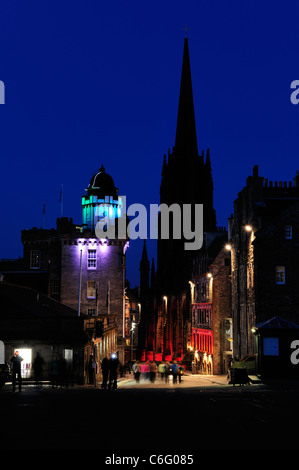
<point x="133" y="325"/>
<point x="80" y="277"/>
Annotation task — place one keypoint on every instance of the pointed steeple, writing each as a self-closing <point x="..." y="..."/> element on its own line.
<point x="186" y="140"/>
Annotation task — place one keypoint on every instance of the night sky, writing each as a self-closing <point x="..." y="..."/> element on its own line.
<point x="91" y="83"/>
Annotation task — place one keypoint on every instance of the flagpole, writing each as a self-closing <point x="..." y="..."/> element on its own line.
<point x="61" y="201"/>
<point x="80" y="277"/>
<point x="44" y="215"/>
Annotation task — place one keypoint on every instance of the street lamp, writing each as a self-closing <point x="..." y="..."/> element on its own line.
<point x="133" y="326"/>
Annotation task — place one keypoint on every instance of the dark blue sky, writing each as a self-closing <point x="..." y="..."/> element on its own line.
<point x="93" y="82"/>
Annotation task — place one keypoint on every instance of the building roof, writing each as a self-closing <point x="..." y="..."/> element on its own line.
<point x="276" y="322"/>
<point x="26" y="314"/>
<point x="102" y="184"/>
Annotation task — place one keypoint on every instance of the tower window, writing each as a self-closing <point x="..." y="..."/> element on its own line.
<point x="288" y="232"/>
<point x="92" y="259"/>
<point x="34" y="259"/>
<point x="280" y="275"/>
<point x="91" y="289"/>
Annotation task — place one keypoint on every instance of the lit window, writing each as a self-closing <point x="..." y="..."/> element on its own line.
<point x="35" y="259"/>
<point x="91" y="289"/>
<point x="92" y="259"/>
<point x="288" y="232"/>
<point x="280" y="275"/>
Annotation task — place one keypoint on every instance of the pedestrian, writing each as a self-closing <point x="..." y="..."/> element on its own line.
<point x="38" y="365"/>
<point x="113" y="366"/>
<point x="16" y="370"/>
<point x="105" y="372"/>
<point x="180" y="373"/>
<point x="161" y="369"/>
<point x="90" y="370"/>
<point x="153" y="371"/>
<point x="147" y="370"/>
<point x="167" y="372"/>
<point x="174" y="370"/>
<point x="144" y="370"/>
<point x="136" y="368"/>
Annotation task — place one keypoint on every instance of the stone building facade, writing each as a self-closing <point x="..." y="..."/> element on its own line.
<point x="264" y="236"/>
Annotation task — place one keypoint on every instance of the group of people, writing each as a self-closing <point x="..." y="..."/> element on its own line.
<point x="110" y="365"/>
<point x="148" y="371"/>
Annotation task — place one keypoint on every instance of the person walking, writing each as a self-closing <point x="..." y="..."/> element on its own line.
<point x="113" y="366"/>
<point x="180" y="373"/>
<point x="174" y="369"/>
<point x="38" y="365"/>
<point x="16" y="370"/>
<point x="153" y="371"/>
<point x="105" y="372"/>
<point x="136" y="368"/>
<point x="161" y="369"/>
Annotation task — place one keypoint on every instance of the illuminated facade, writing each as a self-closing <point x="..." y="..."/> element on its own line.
<point x="210" y="340"/>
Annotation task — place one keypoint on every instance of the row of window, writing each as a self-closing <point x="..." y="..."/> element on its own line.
<point x="35" y="259"/>
<point x="202" y="315"/>
<point x="202" y="341"/>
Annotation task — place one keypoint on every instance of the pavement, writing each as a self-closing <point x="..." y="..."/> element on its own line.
<point x="189" y="380"/>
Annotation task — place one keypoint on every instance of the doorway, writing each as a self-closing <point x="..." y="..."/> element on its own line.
<point x="26" y="364"/>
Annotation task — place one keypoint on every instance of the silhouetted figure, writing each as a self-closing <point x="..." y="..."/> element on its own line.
<point x="113" y="366"/>
<point x="105" y="372"/>
<point x="38" y="365"/>
<point x="153" y="371"/>
<point x="16" y="370"/>
<point x="136" y="368"/>
<point x="90" y="370"/>
<point x="175" y="370"/>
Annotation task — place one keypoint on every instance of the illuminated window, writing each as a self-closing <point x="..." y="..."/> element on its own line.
<point x="92" y="259"/>
<point x="91" y="289"/>
<point x="280" y="275"/>
<point x="34" y="259"/>
<point x="288" y="232"/>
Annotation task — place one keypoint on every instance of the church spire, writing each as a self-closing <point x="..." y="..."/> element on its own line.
<point x="185" y="140"/>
